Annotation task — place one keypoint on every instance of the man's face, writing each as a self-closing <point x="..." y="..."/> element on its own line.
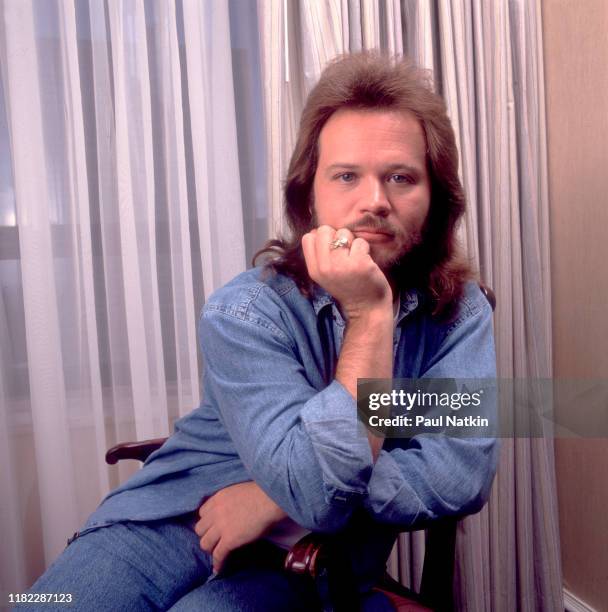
<point x="372" y="179"/>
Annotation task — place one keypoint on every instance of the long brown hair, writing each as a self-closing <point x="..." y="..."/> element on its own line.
<point x="369" y="80"/>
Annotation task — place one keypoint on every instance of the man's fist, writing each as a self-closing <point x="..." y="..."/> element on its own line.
<point x="347" y="273"/>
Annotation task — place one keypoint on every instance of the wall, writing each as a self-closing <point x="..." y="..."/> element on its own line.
<point x="576" y="77"/>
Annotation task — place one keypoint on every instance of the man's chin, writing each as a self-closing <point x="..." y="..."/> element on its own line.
<point x="387" y="261"/>
<point x="399" y="267"/>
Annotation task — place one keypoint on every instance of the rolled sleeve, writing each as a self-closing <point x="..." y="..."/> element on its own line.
<point x="339" y="442"/>
<point x="301" y="444"/>
<point x="432" y="476"/>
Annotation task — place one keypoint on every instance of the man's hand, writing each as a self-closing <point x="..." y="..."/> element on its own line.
<point x="349" y="274"/>
<point x="233" y="517"/>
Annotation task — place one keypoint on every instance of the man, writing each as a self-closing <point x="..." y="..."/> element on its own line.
<point x="368" y="285"/>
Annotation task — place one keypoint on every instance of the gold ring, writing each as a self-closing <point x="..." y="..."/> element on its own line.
<point x="338" y="243"/>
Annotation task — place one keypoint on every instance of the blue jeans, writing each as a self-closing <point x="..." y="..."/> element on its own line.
<point x="160" y="566"/>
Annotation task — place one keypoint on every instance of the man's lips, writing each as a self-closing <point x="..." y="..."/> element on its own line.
<point x="372" y="235"/>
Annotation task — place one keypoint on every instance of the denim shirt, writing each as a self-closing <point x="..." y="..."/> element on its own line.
<point x="272" y="412"/>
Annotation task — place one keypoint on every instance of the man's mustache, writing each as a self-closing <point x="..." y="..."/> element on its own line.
<point x="373" y="223"/>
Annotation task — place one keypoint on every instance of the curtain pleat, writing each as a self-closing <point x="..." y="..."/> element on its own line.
<point x="90" y="392"/>
<point x="208" y="59"/>
<point x="134" y="272"/>
<point x="272" y="51"/>
<point x="417" y="28"/>
<point x="176" y="197"/>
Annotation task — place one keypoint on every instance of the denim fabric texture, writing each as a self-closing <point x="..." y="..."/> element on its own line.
<point x="158" y="565"/>
<point x="272" y="412"/>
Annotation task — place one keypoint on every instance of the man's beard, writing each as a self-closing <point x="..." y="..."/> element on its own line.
<point x="405" y="245"/>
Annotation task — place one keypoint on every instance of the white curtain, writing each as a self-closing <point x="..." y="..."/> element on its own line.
<point x="125" y="199"/>
<point x="487" y="62"/>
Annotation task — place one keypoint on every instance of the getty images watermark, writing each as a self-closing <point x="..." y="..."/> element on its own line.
<point x="400" y="399"/>
<point x="462" y="408"/>
<point x="407" y="407"/>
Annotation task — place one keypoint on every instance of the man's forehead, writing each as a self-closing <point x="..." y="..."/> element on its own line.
<point x="348" y="132"/>
<point x="345" y="116"/>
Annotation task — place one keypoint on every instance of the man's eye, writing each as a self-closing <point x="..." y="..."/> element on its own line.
<point x="401" y="178"/>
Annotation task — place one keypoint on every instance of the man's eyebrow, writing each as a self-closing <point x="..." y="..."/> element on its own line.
<point x="405" y="167"/>
<point x="390" y="168"/>
<point x="342" y="166"/>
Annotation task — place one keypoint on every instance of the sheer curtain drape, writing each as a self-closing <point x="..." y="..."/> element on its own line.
<point x="122" y="206"/>
<point x="487" y="63"/>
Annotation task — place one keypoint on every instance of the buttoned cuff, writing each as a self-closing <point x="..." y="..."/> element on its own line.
<point x="389" y="494"/>
<point x="340" y="444"/>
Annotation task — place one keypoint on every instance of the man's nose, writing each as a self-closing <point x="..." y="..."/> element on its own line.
<point x="375" y="198"/>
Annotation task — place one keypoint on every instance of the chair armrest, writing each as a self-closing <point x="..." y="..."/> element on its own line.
<point x="308" y="555"/>
<point x="134" y="450"/>
<point x="315" y="555"/>
<point x="319" y="557"/>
